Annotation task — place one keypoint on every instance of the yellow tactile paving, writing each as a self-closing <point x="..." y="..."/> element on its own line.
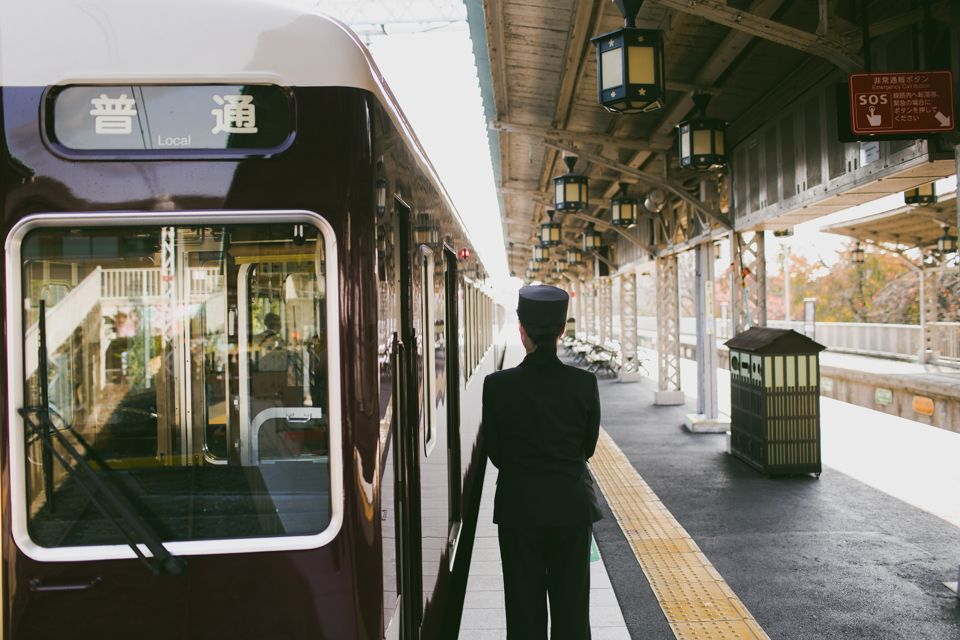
<point x="696" y="600"/>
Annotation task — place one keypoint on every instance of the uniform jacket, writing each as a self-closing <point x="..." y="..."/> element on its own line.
<point x="541" y="421"/>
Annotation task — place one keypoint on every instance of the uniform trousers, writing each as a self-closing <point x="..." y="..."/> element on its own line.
<point x="542" y="561"/>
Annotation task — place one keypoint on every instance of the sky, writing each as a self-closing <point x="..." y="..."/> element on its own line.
<point x="434" y="78"/>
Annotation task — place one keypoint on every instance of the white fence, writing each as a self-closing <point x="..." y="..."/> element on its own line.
<point x="901" y="341"/>
<point x="145" y="283"/>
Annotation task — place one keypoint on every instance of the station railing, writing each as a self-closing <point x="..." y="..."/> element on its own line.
<point x="901" y="341"/>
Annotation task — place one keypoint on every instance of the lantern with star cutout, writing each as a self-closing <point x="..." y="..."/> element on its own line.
<point x="630" y="65"/>
<point x="701" y="138"/>
<point x="570" y="189"/>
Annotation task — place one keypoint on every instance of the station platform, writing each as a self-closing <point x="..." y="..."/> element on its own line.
<point x="694" y="543"/>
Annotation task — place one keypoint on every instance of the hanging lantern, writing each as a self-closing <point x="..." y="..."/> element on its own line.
<point x="550" y="231"/>
<point x="858" y="255"/>
<point x="541" y="253"/>
<point x="574" y="257"/>
<point x="630" y="65"/>
<point x="923" y="195"/>
<point x="533" y="266"/>
<point x="591" y="239"/>
<point x="426" y="232"/>
<point x="623" y="209"/>
<point x="570" y="189"/>
<point x="946" y="243"/>
<point x="561" y="266"/>
<point x="701" y="138"/>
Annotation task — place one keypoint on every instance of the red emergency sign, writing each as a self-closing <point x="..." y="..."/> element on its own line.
<point x="901" y="102"/>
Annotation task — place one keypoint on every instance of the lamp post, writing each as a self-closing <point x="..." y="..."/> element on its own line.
<point x="541" y="253"/>
<point x="922" y="195"/>
<point x="946" y="243"/>
<point x="630" y="65"/>
<point x="858" y="255"/>
<point x="623" y="209"/>
<point x="591" y="239"/>
<point x="701" y="138"/>
<point x="550" y="231"/>
<point x="570" y="189"/>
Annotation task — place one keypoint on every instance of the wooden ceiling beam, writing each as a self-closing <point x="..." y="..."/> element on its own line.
<point x="721" y="13"/>
<point x="585" y="22"/>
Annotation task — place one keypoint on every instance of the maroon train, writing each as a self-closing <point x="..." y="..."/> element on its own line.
<point x="245" y="332"/>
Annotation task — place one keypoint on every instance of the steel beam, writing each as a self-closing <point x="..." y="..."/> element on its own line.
<point x="659" y="143"/>
<point x="663" y="183"/>
<point x="606" y="226"/>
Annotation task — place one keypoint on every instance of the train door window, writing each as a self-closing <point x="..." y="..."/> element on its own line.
<point x="191" y="366"/>
<point x="429" y="315"/>
<point x="452" y="299"/>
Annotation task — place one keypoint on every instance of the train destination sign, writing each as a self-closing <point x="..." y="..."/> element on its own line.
<point x="166" y="117"/>
<point x="902" y="102"/>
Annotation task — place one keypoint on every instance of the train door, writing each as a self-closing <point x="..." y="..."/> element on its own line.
<point x="454" y="506"/>
<point x="407" y="437"/>
<point x="186" y="412"/>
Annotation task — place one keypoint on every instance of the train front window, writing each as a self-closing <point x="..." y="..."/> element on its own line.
<point x="189" y="367"/>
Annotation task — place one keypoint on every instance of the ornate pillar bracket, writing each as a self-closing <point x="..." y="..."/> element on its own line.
<point x="749" y="281"/>
<point x="668" y="333"/>
<point x="629" y="369"/>
<point x="606" y="309"/>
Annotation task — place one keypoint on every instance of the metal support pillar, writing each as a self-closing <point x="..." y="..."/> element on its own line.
<point x="749" y="281"/>
<point x="706" y="333"/>
<point x="590" y="304"/>
<point x="707" y="418"/>
<point x="928" y="316"/>
<point x="668" y="332"/>
<point x="606" y="309"/>
<point x="629" y="371"/>
<point x="578" y="307"/>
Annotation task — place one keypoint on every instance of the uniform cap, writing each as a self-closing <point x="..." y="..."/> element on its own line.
<point x="542" y="306"/>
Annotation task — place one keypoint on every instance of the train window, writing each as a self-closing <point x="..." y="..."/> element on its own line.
<point x="190" y="367"/>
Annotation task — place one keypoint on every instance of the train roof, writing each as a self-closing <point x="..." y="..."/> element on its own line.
<point x="49" y="42"/>
<point x="56" y="42"/>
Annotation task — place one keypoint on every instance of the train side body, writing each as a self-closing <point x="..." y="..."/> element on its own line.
<point x="337" y="407"/>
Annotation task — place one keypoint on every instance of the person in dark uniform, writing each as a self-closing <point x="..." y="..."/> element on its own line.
<point x="541" y="422"/>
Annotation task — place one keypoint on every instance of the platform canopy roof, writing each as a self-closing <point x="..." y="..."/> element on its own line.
<point x="538" y="75"/>
<point x="909" y="227"/>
